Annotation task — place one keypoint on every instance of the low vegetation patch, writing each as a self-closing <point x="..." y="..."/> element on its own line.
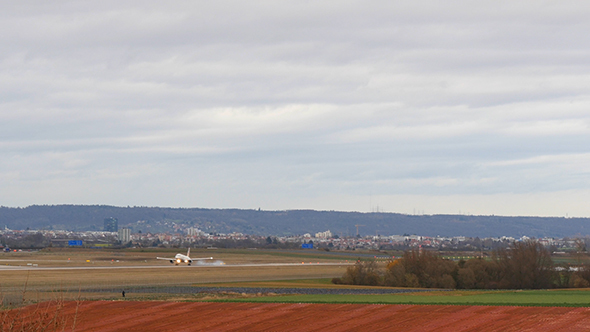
<point x="296" y="283"/>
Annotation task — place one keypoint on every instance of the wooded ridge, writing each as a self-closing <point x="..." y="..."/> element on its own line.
<point x="289" y="222"/>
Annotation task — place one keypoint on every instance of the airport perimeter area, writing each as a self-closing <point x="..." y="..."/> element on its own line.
<point x="254" y="290"/>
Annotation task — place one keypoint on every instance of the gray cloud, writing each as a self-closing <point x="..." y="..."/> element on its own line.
<point x="330" y="105"/>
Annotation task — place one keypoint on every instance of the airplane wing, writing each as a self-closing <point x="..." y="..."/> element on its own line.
<point x="200" y="259"/>
<point x="168" y="259"/>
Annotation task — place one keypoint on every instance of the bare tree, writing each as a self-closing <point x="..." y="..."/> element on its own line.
<point x="525" y="265"/>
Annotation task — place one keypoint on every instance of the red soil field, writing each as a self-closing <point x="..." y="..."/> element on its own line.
<point x="202" y="316"/>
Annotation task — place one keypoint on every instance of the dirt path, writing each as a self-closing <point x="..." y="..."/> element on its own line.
<point x="201" y="316"/>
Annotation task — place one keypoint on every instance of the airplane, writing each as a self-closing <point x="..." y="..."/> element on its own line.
<point x="180" y="258"/>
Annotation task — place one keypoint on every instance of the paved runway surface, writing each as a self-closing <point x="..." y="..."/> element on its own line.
<point x="24" y="268"/>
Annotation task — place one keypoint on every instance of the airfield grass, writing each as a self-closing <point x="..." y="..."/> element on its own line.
<point x="18" y="286"/>
<point x="35" y="286"/>
<point x="175" y="275"/>
<point x="289" y="283"/>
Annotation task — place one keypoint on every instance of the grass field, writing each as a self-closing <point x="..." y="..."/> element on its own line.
<point x="568" y="298"/>
<point x="550" y="298"/>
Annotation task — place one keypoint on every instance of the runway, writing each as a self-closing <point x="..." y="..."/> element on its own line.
<point x="114" y="267"/>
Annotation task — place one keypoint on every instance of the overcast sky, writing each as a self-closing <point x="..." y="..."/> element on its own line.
<point x="471" y="107"/>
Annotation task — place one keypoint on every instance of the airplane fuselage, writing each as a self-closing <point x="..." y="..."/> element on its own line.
<point x="180" y="258"/>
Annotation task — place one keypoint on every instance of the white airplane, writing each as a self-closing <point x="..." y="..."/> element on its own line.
<point x="180" y="258"/>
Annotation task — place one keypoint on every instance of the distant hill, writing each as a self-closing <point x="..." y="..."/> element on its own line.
<point x="291" y="222"/>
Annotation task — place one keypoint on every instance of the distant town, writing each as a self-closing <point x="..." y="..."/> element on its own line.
<point x="285" y="223"/>
<point x="114" y="237"/>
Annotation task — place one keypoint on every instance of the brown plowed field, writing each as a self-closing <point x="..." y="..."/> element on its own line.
<point x="202" y="316"/>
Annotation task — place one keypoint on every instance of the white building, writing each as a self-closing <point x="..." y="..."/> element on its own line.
<point x="124" y="235"/>
<point x="192" y="231"/>
<point x="324" y="235"/>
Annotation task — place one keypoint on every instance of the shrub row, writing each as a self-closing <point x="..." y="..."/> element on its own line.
<point x="524" y="265"/>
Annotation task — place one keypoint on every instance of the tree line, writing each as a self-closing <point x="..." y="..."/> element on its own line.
<point x="523" y="265"/>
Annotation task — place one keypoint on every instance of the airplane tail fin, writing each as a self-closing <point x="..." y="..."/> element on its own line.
<point x="188" y="253"/>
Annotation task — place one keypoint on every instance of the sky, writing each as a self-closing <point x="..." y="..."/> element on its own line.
<point x="419" y="107"/>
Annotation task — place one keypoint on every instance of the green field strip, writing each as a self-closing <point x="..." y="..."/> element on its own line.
<point x="543" y="298"/>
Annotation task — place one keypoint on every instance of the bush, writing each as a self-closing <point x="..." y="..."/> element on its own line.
<point x="429" y="269"/>
<point x="411" y="280"/>
<point x="362" y="273"/>
<point x="465" y="279"/>
<point x="395" y="274"/>
<point x="486" y="273"/>
<point x="447" y="282"/>
<point x="576" y="281"/>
